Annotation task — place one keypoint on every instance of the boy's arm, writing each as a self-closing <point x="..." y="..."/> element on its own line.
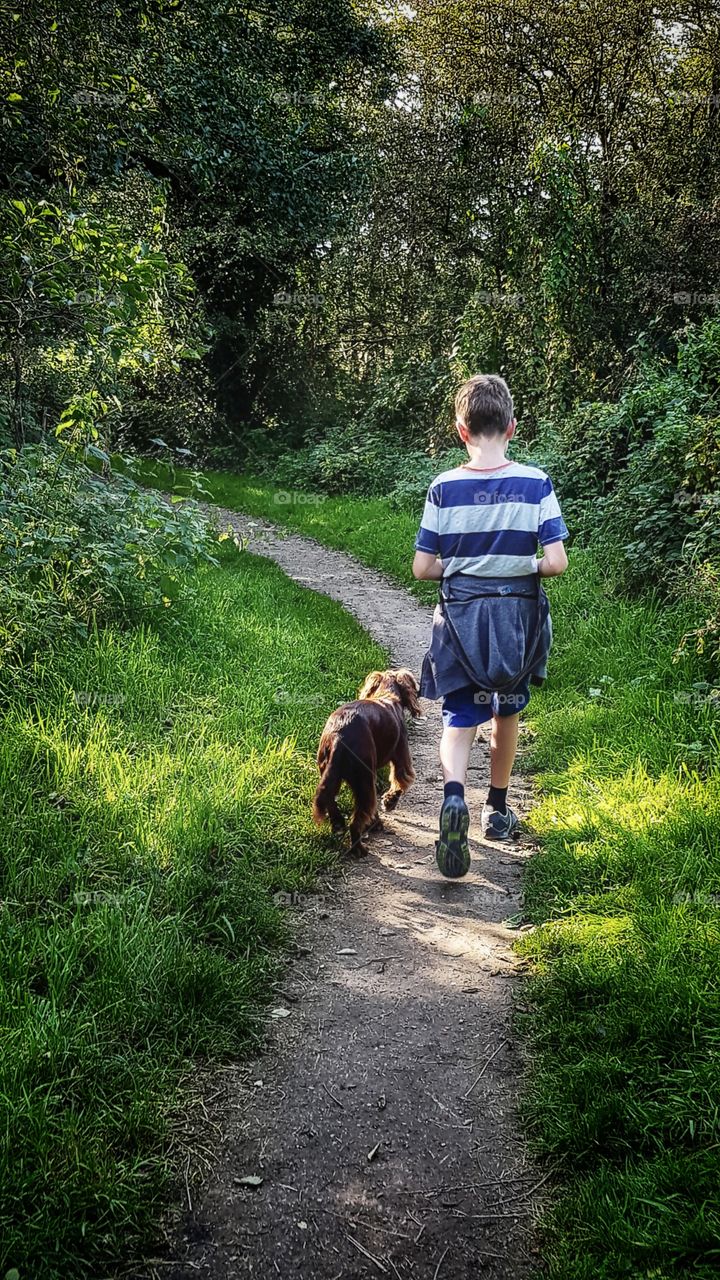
<point x="551" y="535"/>
<point x="554" y="560"/>
<point x="427" y="567"/>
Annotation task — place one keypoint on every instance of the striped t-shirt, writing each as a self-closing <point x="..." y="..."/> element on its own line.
<point x="490" y="523"/>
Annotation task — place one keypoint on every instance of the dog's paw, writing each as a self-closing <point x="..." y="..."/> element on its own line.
<point x="376" y="824"/>
<point x="358" y="850"/>
<point x="389" y="800"/>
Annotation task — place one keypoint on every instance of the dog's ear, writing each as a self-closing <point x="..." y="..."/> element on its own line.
<point x="371" y="684"/>
<point x="409" y="690"/>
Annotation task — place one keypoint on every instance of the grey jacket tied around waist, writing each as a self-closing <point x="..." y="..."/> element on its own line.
<point x="489" y="633"/>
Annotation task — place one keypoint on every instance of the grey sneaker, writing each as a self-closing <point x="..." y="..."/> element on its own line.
<point x="498" y="826"/>
<point x="452" y="852"/>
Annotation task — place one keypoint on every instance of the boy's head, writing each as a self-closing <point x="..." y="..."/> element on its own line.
<point x="484" y="407"/>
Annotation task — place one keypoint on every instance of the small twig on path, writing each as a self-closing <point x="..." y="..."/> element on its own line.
<point x="362" y="1222"/>
<point x="375" y="960"/>
<point x="330" y="1094"/>
<point x="523" y="1195"/>
<point x="485" y="1067"/>
<point x="442" y="1259"/>
<point x="448" y="1110"/>
<point x="482" y="1217"/>
<point x="472" y="1186"/>
<point x="367" y="1254"/>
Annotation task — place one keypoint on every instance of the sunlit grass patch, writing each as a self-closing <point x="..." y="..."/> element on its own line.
<point x="624" y="992"/>
<point x="154" y="795"/>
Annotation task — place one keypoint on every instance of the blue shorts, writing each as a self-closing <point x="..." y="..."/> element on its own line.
<point x="469" y="706"/>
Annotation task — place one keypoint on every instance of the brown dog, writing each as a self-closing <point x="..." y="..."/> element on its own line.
<point x="358" y="739"/>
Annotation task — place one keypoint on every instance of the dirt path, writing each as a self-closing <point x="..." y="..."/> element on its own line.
<point x="382" y="1117"/>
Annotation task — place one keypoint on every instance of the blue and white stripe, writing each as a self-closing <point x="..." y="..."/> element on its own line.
<point x="490" y="523"/>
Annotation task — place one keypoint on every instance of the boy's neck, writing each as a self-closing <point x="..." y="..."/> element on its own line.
<point x="486" y="454"/>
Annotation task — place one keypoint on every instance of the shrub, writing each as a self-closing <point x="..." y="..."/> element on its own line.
<point x="79" y="549"/>
<point x="347" y="462"/>
<point x="409" y="399"/>
<point x="640" y="477"/>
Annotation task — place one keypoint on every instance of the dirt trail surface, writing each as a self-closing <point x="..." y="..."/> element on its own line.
<point x="382" y="1116"/>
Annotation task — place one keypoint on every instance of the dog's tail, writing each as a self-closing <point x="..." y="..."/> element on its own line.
<point x="331" y="777"/>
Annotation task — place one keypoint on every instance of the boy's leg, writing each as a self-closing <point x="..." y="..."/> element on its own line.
<point x="503" y="748"/>
<point x="498" y="820"/>
<point x="463" y="711"/>
<point x="455" y="747"/>
<point x="452" y="851"/>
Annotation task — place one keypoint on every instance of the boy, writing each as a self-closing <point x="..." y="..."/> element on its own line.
<point x="481" y="527"/>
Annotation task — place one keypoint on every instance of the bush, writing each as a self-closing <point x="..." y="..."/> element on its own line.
<point x="177" y="408"/>
<point x="79" y="549"/>
<point x="347" y="462"/>
<point x="409" y="398"/>
<point x="640" y="477"/>
<point x="697" y="587"/>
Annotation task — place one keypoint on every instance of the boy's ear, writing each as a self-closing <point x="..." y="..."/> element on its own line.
<point x="461" y="430"/>
<point x="511" y="429"/>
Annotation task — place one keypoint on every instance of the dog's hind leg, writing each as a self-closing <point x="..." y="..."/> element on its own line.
<point x="335" y="818"/>
<point x="325" y="799"/>
<point x="402" y="775"/>
<point x="363" y="788"/>
<point x="325" y="806"/>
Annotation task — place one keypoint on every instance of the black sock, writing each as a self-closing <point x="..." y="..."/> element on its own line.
<point x="454" y="789"/>
<point x="497" y="799"/>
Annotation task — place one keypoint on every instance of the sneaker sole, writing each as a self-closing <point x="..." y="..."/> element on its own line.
<point x="452" y="852"/>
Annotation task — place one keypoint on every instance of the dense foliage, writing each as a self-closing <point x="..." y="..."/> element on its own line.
<point x="272" y="237"/>
<point x="342" y="207"/>
<point x="81" y="550"/>
<point x="168" y="171"/>
<point x="278" y="235"/>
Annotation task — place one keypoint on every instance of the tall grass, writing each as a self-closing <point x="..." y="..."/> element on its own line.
<point x="154" y="795"/>
<point x="623" y="1095"/>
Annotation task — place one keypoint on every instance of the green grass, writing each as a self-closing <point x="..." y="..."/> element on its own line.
<point x="154" y="795"/>
<point x="369" y="528"/>
<point x="624" y="1026"/>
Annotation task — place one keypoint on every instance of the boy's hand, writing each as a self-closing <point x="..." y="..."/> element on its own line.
<point x="427" y="568"/>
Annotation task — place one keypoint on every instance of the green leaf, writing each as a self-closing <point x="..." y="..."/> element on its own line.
<point x="92" y="450"/>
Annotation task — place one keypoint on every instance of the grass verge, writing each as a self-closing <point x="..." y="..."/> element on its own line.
<point x="369" y="528"/>
<point x="154" y="795"/>
<point x="624" y="992"/>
